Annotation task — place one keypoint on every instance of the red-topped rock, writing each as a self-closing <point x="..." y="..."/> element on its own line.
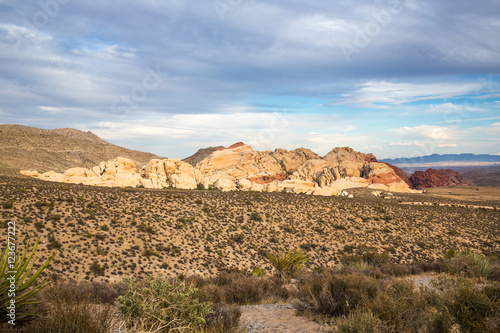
<point x="234" y="145"/>
<point x="438" y="178"/>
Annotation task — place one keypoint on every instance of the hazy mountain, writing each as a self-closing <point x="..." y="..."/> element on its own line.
<point x="446" y="158"/>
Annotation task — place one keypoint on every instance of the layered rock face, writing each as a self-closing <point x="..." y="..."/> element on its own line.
<point x="239" y="167"/>
<point x="438" y="178"/>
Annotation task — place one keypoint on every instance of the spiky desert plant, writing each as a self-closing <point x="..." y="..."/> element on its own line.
<point x="479" y="264"/>
<point x="259" y="271"/>
<point x="25" y="285"/>
<point x="287" y="263"/>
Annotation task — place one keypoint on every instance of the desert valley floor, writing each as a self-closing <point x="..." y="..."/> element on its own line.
<point x="105" y="234"/>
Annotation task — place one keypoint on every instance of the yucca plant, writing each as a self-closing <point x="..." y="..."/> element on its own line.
<point x="479" y="265"/>
<point x="25" y="285"/>
<point x="287" y="263"/>
<point x="259" y="271"/>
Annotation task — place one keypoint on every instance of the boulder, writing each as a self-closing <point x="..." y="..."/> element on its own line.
<point x="224" y="184"/>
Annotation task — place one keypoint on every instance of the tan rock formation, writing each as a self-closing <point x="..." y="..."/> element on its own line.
<point x="118" y="172"/>
<point x="240" y="167"/>
<point x="168" y="172"/>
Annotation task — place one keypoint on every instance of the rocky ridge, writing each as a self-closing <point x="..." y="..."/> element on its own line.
<point x="239" y="167"/>
<point x="58" y="149"/>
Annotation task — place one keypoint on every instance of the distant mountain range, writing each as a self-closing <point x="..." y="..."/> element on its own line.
<point x="483" y="169"/>
<point x="457" y="162"/>
<point x="447" y="158"/>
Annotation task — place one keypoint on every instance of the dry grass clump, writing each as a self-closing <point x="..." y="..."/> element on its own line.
<point x="474" y="308"/>
<point x="239" y="288"/>
<point x="331" y="295"/>
<point x="223" y="319"/>
<point x="78" y="308"/>
<point x="158" y="304"/>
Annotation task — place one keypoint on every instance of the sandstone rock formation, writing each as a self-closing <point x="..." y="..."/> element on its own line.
<point x="120" y="172"/>
<point x="239" y="167"/>
<point x="168" y="173"/>
<point x="438" y="178"/>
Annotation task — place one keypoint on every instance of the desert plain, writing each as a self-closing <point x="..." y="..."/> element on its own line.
<point x="105" y="234"/>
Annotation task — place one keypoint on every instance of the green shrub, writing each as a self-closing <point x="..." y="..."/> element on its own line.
<point x="407" y="309"/>
<point x="470" y="306"/>
<point x="160" y="305"/>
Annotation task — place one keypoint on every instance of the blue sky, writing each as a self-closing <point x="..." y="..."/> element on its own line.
<point x="392" y="77"/>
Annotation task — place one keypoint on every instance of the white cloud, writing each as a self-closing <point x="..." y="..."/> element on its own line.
<point x="374" y="93"/>
<point x="52" y="110"/>
<point x="426" y="132"/>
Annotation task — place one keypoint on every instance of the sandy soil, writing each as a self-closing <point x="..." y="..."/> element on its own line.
<point x="276" y="318"/>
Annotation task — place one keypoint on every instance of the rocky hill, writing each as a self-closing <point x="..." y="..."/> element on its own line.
<point x="239" y="167"/>
<point x="200" y="155"/>
<point x="23" y="147"/>
<point x="489" y="177"/>
<point x="438" y="178"/>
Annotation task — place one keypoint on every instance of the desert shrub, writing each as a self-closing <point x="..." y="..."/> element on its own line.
<point x="211" y="293"/>
<point x="238" y="288"/>
<point x="495" y="272"/>
<point x="403" y="308"/>
<point x="158" y="304"/>
<point x="96" y="268"/>
<point x="471" y="307"/>
<point x="333" y="294"/>
<point x="366" y="254"/>
<point x="7" y="205"/>
<point x="238" y="238"/>
<point x="243" y="290"/>
<point x="255" y="217"/>
<point x="223" y="318"/>
<point x="395" y="269"/>
<point x="93" y="292"/>
<point x="492" y="291"/>
<point x="360" y="321"/>
<point x="196" y="281"/>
